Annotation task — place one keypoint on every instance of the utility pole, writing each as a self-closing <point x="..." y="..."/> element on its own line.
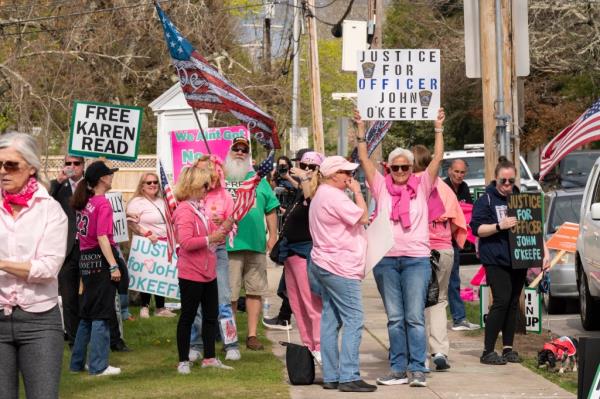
<point x="376" y="15"/>
<point x="295" y="66"/>
<point x="314" y="77"/>
<point x="269" y="14"/>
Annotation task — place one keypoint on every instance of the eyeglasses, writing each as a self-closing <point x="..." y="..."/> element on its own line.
<point x="504" y="180"/>
<point x="74" y="163"/>
<point x="9" y="166"/>
<point x="244" y="150"/>
<point x="396" y="168"/>
<point x="346" y="172"/>
<point x="151" y="182"/>
<point x="306" y="166"/>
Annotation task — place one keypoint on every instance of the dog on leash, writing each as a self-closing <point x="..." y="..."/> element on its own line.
<point x="561" y="350"/>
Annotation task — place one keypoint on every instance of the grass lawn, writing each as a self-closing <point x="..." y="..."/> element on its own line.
<point x="150" y="371"/>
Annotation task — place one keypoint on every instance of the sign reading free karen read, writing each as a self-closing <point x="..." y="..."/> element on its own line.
<point x="105" y="130"/>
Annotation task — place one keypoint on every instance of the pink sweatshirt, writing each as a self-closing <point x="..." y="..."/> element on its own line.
<point x="196" y="261"/>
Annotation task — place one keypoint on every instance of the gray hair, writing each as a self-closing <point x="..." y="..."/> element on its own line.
<point x="401" y="152"/>
<point x="25" y="145"/>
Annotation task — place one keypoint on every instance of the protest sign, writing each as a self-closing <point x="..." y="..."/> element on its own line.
<point x="484" y="304"/>
<point x="120" y="231"/>
<point x="188" y="145"/>
<point x="533" y="311"/>
<point x="150" y="270"/>
<point x="526" y="238"/>
<point x="105" y="130"/>
<point x="398" y="84"/>
<point x="565" y="238"/>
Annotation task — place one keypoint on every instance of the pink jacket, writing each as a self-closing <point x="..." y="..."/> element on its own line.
<point x="196" y="261"/>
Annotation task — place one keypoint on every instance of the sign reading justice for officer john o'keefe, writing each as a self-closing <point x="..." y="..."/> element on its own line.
<point x="398" y="84"/>
<point x="105" y="130"/>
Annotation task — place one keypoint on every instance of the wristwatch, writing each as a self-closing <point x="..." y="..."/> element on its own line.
<point x="361" y="140"/>
<point x="498" y="227"/>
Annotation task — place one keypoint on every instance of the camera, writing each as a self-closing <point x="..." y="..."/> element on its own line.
<point x="282" y="169"/>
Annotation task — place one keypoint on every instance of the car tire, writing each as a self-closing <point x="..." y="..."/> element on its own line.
<point x="554" y="305"/>
<point x="589" y="309"/>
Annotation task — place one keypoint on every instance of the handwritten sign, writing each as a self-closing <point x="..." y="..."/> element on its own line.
<point x="106" y="130"/>
<point x="150" y="270"/>
<point x="398" y="84"/>
<point x="526" y="238"/>
<point x="565" y="238"/>
<point x="120" y="232"/>
<point x="533" y="308"/>
<point x="188" y="145"/>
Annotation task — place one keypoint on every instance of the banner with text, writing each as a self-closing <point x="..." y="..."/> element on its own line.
<point x="149" y="269"/>
<point x="188" y="145"/>
<point x="526" y="239"/>
<point x="120" y="232"/>
<point x="533" y="308"/>
<point x="398" y="84"/>
<point x="105" y="130"/>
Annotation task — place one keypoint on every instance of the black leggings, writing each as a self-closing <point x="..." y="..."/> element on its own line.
<point x="193" y="294"/>
<point x="160" y="300"/>
<point x="506" y="285"/>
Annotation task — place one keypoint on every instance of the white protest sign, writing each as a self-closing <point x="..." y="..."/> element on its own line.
<point x="533" y="311"/>
<point x="150" y="270"/>
<point x="120" y="232"/>
<point x="484" y="304"/>
<point x="595" y="388"/>
<point x="398" y="84"/>
<point x="105" y="130"/>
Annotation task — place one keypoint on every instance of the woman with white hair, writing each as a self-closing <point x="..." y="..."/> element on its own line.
<point x="403" y="275"/>
<point x="33" y="233"/>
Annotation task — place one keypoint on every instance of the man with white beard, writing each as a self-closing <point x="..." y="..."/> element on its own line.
<point x="247" y="259"/>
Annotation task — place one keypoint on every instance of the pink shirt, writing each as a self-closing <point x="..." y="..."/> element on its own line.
<point x="96" y="219"/>
<point x="217" y="203"/>
<point x="151" y="214"/>
<point x="339" y="242"/>
<point x="38" y="235"/>
<point x="413" y="241"/>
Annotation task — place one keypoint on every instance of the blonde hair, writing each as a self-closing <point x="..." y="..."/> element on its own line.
<point x="191" y="181"/>
<point x="139" y="189"/>
<point x="314" y="183"/>
<point x="211" y="167"/>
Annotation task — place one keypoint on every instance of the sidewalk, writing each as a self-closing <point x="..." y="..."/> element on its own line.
<point x="466" y="379"/>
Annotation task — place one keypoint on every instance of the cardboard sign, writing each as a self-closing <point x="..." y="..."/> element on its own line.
<point x="533" y="311"/>
<point x="565" y="238"/>
<point x="120" y="232"/>
<point x="188" y="145"/>
<point x="150" y="270"/>
<point x="526" y="238"/>
<point x="398" y="84"/>
<point x="105" y="130"/>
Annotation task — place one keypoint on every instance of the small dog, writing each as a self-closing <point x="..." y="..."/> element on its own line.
<point x="563" y="350"/>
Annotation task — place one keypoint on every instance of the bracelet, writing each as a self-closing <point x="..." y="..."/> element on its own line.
<point x="361" y="140"/>
<point x="113" y="268"/>
<point x="439" y="130"/>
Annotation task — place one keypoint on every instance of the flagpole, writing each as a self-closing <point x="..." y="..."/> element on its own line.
<point x="202" y="131"/>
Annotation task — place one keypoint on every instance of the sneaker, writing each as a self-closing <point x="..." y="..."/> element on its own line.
<point x="164" y="312"/>
<point x="317" y="357"/>
<point x="417" y="379"/>
<point x="277" y="324"/>
<point x="216" y="363"/>
<point x="110" y="370"/>
<point x="233" y="354"/>
<point x="465" y="325"/>
<point x="184" y="368"/>
<point x="144" y="312"/>
<point x="441" y="362"/>
<point x="393" y="379"/>
<point x="194" y="355"/>
<point x="356" y="386"/>
<point x="254" y="344"/>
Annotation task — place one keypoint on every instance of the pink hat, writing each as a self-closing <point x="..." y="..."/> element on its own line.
<point x="312" y="157"/>
<point x="332" y="164"/>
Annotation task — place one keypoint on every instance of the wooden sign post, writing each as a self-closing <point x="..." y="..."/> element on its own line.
<point x="563" y="241"/>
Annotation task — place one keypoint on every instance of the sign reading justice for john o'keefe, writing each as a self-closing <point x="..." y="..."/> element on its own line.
<point x="398" y="84"/>
<point x="105" y="130"/>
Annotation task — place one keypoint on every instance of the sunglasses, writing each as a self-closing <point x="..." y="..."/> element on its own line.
<point x="74" y="163"/>
<point x="151" y="182"/>
<point x="206" y="186"/>
<point x="243" y="150"/>
<point x="395" y="168"/>
<point x="9" y="166"/>
<point x="505" y="180"/>
<point x="346" y="172"/>
<point x="306" y="166"/>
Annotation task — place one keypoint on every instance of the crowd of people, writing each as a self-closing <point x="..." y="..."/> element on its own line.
<point x="59" y="241"/>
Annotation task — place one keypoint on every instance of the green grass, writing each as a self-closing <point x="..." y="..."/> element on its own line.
<point x="567" y="381"/>
<point x="150" y="371"/>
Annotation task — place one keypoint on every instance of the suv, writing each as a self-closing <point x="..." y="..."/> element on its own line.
<point x="587" y="257"/>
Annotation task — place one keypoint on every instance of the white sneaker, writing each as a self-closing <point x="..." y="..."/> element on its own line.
<point x="144" y="312"/>
<point x="465" y="325"/>
<point x="110" y="370"/>
<point x="184" y="368"/>
<point x="216" y="363"/>
<point x="317" y="356"/>
<point x="194" y="355"/>
<point x="233" y="354"/>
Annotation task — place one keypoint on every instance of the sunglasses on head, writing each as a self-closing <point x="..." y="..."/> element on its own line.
<point x="346" y="172"/>
<point x="9" y="166"/>
<point x="243" y="150"/>
<point x="306" y="166"/>
<point x="74" y="163"/>
<point x="151" y="182"/>
<point x="395" y="168"/>
<point x="504" y="180"/>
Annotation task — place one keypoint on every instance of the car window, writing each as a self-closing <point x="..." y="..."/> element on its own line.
<point x="476" y="168"/>
<point x="564" y="209"/>
<point x="578" y="164"/>
<point x="596" y="196"/>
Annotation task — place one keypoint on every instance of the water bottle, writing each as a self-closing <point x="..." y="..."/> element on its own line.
<point x="266" y="306"/>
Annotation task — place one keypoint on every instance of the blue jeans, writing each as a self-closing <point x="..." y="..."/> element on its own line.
<point x="342" y="307"/>
<point x="225" y="310"/>
<point x="402" y="282"/>
<point x="96" y="334"/>
<point x="457" y="306"/>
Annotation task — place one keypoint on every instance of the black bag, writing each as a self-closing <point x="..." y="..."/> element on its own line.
<point x="274" y="254"/>
<point x="433" y="290"/>
<point x="300" y="364"/>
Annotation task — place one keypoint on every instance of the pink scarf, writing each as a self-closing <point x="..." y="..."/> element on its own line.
<point x="22" y="197"/>
<point x="401" y="196"/>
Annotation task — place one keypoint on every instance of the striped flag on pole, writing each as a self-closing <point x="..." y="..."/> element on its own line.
<point x="171" y="204"/>
<point x="246" y="192"/>
<point x="584" y="130"/>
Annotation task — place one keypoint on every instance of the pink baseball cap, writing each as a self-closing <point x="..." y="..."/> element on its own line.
<point x="312" y="157"/>
<point x="331" y="165"/>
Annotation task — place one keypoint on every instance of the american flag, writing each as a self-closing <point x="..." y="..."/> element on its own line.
<point x="171" y="204"/>
<point x="246" y="192"/>
<point x="205" y="88"/>
<point x="374" y="135"/>
<point x="584" y="130"/>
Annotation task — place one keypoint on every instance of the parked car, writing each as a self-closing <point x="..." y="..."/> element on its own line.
<point x="561" y="206"/>
<point x="587" y="257"/>
<point x="573" y="170"/>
